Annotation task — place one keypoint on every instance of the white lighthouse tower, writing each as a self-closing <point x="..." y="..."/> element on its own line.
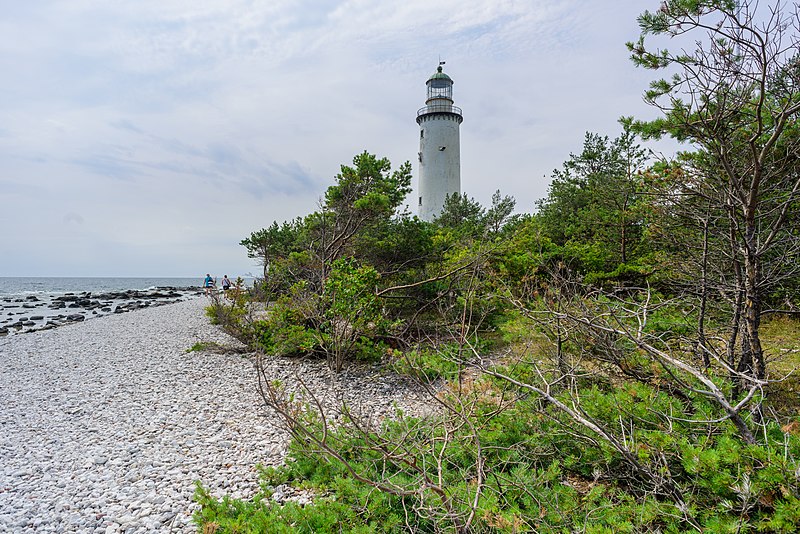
<point x="439" y="146"/>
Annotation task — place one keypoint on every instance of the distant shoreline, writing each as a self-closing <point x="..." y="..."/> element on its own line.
<point x="33" y="285"/>
<point x="22" y="313"/>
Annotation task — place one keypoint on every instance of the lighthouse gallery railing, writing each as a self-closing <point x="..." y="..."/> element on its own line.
<point x="441" y="108"/>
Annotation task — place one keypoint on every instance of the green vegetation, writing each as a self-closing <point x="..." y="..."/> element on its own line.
<point x="201" y="346"/>
<point x="618" y="361"/>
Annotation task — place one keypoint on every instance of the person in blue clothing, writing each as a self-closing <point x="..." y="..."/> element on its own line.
<point x="208" y="284"/>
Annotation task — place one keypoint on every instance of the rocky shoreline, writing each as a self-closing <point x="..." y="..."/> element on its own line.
<point x="106" y="424"/>
<point x="19" y="315"/>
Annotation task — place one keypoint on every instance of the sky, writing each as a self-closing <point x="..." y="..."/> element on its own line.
<point x="147" y="138"/>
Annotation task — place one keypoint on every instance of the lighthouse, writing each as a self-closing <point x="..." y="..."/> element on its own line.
<point x="439" y="146"/>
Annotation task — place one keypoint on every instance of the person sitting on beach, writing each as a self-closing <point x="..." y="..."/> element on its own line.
<point x="226" y="283"/>
<point x="208" y="284"/>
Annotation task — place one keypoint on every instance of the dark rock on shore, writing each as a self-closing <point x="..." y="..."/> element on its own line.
<point x="82" y="306"/>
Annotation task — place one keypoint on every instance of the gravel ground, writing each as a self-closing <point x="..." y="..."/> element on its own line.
<point x="105" y="425"/>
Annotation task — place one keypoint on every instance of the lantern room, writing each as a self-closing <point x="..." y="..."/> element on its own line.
<point x="440" y="86"/>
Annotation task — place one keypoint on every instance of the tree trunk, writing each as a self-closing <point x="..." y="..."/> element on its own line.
<point x="753" y="305"/>
<point x="701" y="330"/>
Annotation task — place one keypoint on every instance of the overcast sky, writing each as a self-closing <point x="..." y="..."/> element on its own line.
<point x="147" y="138"/>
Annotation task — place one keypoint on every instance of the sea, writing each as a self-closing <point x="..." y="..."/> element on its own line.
<point x="24" y="286"/>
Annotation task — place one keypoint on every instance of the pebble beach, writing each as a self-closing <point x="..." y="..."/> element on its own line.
<point x="105" y="425"/>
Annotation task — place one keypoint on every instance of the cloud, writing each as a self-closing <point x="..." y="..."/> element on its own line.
<point x="109" y="166"/>
<point x="218" y="164"/>
<point x="125" y="124"/>
<point x="73" y="218"/>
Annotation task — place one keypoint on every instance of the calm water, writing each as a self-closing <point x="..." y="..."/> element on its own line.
<point x="36" y="285"/>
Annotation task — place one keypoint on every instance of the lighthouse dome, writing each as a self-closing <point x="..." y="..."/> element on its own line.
<point x="439" y="75"/>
